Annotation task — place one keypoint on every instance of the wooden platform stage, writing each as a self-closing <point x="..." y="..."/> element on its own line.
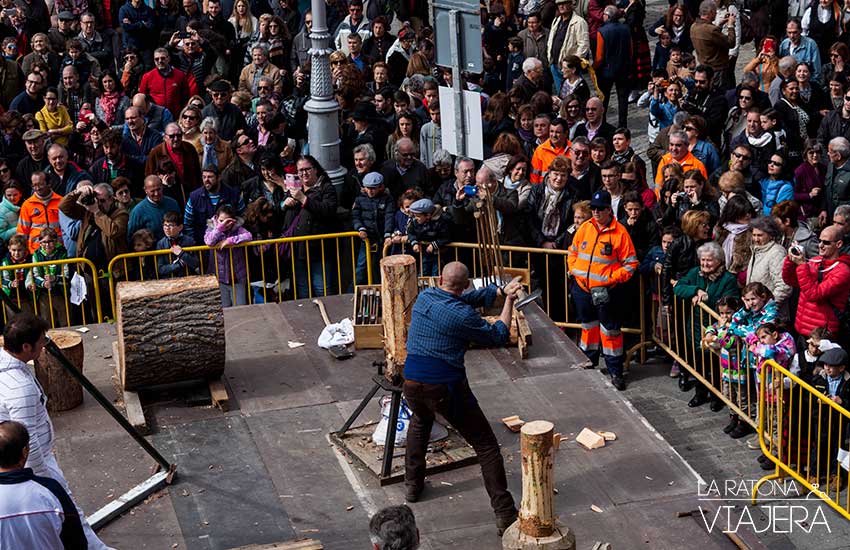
<point x="265" y="471"/>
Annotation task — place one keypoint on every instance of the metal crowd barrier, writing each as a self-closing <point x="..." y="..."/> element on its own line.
<point x="271" y="267"/>
<point x="674" y="333"/>
<point x="53" y="304"/>
<point x="804" y="433"/>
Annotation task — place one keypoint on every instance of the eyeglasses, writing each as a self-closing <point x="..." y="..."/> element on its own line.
<point x="51" y="99"/>
<point x="4" y="170"/>
<point x="218" y="94"/>
<point x="33" y="81"/>
<point x="598" y="208"/>
<point x="826" y="242"/>
<point x="123" y="192"/>
<point x="176" y="135"/>
<point x="847" y="98"/>
<point x="573" y="107"/>
<point x="305" y="170"/>
<point x="580" y="152"/>
<point x="591" y="109"/>
<point x="336" y="63"/>
<point x="690" y="129"/>
<point x="264" y="87"/>
<point x="741" y="156"/>
<point x="245" y="142"/>
<point x="833" y="55"/>
<point x="747" y="97"/>
<point x="774" y="163"/>
<point x="189" y="117"/>
<point x="407" y="155"/>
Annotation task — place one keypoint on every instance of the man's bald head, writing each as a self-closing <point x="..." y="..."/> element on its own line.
<point x="455" y="277"/>
<point x="833" y="235"/>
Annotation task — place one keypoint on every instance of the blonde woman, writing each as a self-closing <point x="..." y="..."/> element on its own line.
<point x="245" y="25"/>
<point x="261" y="34"/>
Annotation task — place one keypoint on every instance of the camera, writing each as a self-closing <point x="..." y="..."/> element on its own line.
<point x="797" y="250"/>
<point x="87" y="200"/>
<point x="470" y="190"/>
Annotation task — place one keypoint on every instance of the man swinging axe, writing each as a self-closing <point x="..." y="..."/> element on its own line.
<point x="444" y="322"/>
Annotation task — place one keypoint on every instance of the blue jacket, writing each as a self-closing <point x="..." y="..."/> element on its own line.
<point x="613" y="51"/>
<point x="200" y="208"/>
<point x="707" y="154"/>
<point x="807" y="51"/>
<point x="374" y="215"/>
<point x="138" y="32"/>
<point x="140" y="152"/>
<point x="187" y="263"/>
<point x="663" y="111"/>
<point x="775" y="191"/>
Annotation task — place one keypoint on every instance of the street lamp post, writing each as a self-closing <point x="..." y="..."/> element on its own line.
<point x="322" y="108"/>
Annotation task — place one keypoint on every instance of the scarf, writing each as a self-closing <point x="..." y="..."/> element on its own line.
<point x="624" y="157"/>
<point x="509" y="184"/>
<point x="714" y="275"/>
<point x="210" y="156"/>
<point x="109" y="105"/>
<point x="528" y="135"/>
<point x="760" y="141"/>
<point x="734" y="230"/>
<point x="550" y="214"/>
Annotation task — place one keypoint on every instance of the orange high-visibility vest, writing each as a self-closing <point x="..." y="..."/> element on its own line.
<point x="602" y="257"/>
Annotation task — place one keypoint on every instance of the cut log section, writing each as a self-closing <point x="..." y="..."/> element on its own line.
<point x="61" y="388"/>
<point x="399" y="289"/>
<point x="537" y="509"/>
<point x="169" y="331"/>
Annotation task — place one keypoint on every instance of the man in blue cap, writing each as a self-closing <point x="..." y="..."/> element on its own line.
<point x="601" y="258"/>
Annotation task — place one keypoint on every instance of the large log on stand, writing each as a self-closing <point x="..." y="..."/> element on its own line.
<point x="171" y="330"/>
<point x="62" y="390"/>
<point x="399" y="288"/>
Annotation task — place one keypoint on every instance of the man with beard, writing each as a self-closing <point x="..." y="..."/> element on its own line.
<point x="707" y="102"/>
<point x="114" y="163"/>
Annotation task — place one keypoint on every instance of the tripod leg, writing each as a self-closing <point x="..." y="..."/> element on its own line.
<point x="389" y="444"/>
<point x="358" y="410"/>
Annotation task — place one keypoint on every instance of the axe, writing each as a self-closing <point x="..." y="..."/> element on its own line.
<point x="523" y="299"/>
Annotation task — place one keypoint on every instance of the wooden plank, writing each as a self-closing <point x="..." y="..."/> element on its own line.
<point x="300" y="544"/>
<point x="218" y="392"/>
<point x="521" y="342"/>
<point x="135" y="413"/>
<point x="523" y="328"/>
<point x="132" y="404"/>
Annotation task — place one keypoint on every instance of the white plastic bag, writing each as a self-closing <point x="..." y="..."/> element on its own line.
<point x="337" y="334"/>
<point x="438" y="431"/>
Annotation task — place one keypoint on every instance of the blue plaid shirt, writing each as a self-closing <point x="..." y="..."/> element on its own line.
<point x="443" y="325"/>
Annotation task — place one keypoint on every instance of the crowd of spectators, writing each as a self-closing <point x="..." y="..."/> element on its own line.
<point x="137" y="126"/>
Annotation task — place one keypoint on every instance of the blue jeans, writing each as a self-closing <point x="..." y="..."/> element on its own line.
<point x="557" y="76"/>
<point x="316" y="280"/>
<point x="235" y="294"/>
<point x="361" y="274"/>
<point x="430" y="265"/>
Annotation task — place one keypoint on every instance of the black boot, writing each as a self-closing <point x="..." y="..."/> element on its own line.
<point x="685" y="382"/>
<point x="741" y="430"/>
<point x="717" y="404"/>
<point x="700" y="397"/>
<point x="733" y="423"/>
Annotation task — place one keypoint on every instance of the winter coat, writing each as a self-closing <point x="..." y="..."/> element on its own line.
<point x="227" y="259"/>
<point x="112" y="226"/>
<point x="824" y="286"/>
<point x="806" y="178"/>
<point x="172" y="91"/>
<point x="765" y="267"/>
<point x="316" y="217"/>
<point x="687" y="287"/>
<point x="805" y="238"/>
<point x="745" y="321"/>
<point x="644" y="233"/>
<point x="681" y="257"/>
<point x="374" y="215"/>
<point x="8" y="219"/>
<point x="509" y="218"/>
<point x="775" y="191"/>
<point x="534" y="215"/>
<point x="837" y="187"/>
<point x="436" y="230"/>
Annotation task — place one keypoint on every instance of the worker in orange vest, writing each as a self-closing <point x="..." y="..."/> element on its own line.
<point x="602" y="258"/>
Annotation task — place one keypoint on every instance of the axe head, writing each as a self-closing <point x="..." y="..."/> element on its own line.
<point x="529" y="299"/>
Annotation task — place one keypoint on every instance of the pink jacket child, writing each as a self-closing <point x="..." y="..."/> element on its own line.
<point x="224" y="230"/>
<point x="769" y="342"/>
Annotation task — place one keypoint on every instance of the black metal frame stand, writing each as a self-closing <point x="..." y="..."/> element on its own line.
<point x="380" y="382"/>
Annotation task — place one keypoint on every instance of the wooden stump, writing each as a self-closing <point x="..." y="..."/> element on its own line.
<point x="169" y="331"/>
<point x="399" y="289"/>
<point x="537" y="527"/>
<point x="61" y="388"/>
<point x="536" y="514"/>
